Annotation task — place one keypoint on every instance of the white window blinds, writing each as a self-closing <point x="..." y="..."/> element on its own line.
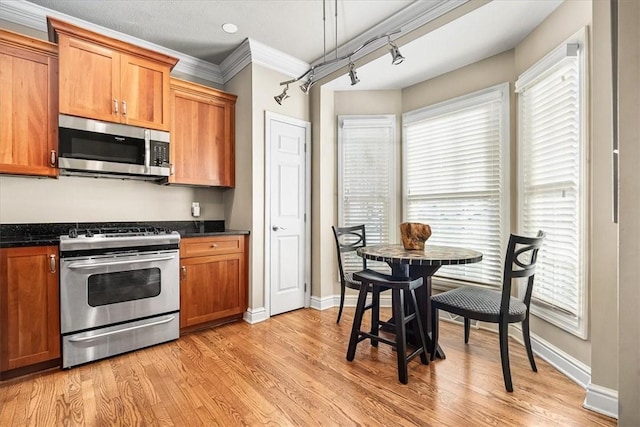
<point x="455" y="157"/>
<point x="552" y="182"/>
<point x="366" y="183"/>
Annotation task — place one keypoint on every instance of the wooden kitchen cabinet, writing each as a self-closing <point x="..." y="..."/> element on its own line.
<point x="202" y="135"/>
<point x="106" y="79"/>
<point x="28" y="105"/>
<point x="213" y="280"/>
<point x="29" y="307"/>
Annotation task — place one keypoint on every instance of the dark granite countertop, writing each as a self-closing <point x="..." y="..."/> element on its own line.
<point x="47" y="234"/>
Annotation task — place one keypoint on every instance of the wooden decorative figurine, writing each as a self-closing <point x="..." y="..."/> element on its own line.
<point x="414" y="234"/>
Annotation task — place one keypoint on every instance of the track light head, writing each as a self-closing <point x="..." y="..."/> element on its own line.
<point x="396" y="56"/>
<point x="306" y="86"/>
<point x="282" y="96"/>
<point x="352" y="74"/>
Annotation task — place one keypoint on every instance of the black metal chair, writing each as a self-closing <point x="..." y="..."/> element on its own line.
<point x="403" y="290"/>
<point x="348" y="239"/>
<point x="494" y="306"/>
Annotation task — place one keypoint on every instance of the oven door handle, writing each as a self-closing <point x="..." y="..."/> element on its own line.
<point x="80" y="265"/>
<point x="119" y="331"/>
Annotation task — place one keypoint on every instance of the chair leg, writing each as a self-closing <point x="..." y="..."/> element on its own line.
<point x="504" y="354"/>
<point x="341" y="302"/>
<point x="375" y="313"/>
<point x="527" y="343"/>
<point x="357" y="321"/>
<point x="467" y="326"/>
<point x="401" y="337"/>
<point x="434" y="331"/>
<point x="419" y="329"/>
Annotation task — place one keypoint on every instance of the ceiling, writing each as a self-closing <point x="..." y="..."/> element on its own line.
<point x="295" y="27"/>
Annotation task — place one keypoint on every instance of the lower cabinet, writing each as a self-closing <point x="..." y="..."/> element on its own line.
<point x="213" y="280"/>
<point x="29" y="307"/>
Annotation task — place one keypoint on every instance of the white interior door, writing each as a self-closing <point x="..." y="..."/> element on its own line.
<point x="287" y="227"/>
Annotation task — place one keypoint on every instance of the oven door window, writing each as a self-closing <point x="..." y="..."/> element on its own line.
<point x="113" y="288"/>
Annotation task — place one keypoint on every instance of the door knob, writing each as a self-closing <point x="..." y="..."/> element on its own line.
<point x="276" y="228"/>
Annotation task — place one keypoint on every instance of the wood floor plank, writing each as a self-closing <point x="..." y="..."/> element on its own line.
<point x="291" y="370"/>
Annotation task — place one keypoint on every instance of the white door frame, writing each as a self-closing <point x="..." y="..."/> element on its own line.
<point x="268" y="118"/>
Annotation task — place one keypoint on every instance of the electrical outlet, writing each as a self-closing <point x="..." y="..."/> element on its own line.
<point x="195" y="209"/>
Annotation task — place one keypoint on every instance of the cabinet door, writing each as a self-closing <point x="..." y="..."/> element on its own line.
<point x="89" y="80"/>
<point x="29" y="112"/>
<point x="212" y="288"/>
<point x="29" y="306"/>
<point x="202" y="136"/>
<point x="144" y="92"/>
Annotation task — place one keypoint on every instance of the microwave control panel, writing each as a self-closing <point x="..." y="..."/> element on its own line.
<point x="159" y="154"/>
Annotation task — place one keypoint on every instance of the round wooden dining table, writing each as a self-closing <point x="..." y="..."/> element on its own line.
<point x="420" y="263"/>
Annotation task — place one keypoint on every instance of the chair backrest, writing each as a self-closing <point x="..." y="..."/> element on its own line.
<point x="520" y="261"/>
<point x="349" y="239"/>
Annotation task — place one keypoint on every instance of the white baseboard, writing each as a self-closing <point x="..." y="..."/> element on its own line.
<point x="602" y="399"/>
<point x="322" y="303"/>
<point x="255" y="315"/>
<point x="598" y="399"/>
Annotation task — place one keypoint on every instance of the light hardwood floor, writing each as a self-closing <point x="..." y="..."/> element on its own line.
<point x="291" y="370"/>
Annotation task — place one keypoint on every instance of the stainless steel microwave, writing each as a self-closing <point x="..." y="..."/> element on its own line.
<point x="92" y="147"/>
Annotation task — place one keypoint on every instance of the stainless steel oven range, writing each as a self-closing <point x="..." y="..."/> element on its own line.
<point x="119" y="291"/>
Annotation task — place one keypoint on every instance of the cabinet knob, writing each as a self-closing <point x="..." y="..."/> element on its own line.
<point x="115" y="107"/>
<point x="52" y="263"/>
<point x="124" y="108"/>
<point x="215" y="245"/>
<point x="53" y="158"/>
<point x="183" y="269"/>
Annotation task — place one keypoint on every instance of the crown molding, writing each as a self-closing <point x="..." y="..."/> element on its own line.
<point x="274" y="59"/>
<point x="35" y="17"/>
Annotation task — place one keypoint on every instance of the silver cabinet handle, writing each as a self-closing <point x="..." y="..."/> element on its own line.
<point x="115" y="106"/>
<point x="52" y="263"/>
<point x="277" y="227"/>
<point x="120" y="331"/>
<point x="53" y="158"/>
<point x="80" y="265"/>
<point x="124" y="108"/>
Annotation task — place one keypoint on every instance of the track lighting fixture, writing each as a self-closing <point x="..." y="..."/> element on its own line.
<point x="352" y="74"/>
<point x="283" y="95"/>
<point x="396" y="56"/>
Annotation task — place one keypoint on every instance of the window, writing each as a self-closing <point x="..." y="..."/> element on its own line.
<point x="456" y="177"/>
<point x="366" y="177"/>
<point x="552" y="180"/>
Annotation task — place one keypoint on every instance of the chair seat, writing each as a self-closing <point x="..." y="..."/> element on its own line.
<point x="478" y="303"/>
<point x="350" y="282"/>
<point x="386" y="280"/>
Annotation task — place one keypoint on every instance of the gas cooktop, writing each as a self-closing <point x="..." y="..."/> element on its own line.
<point x="78" y="239"/>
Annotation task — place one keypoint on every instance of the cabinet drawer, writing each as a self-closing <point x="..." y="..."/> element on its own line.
<point x="203" y="246"/>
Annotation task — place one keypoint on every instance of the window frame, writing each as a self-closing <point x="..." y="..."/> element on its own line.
<point x="577" y="326"/>
<point x="376" y="120"/>
<point x="499" y="91"/>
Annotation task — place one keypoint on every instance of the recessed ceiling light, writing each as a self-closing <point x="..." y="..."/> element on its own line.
<point x="229" y="28"/>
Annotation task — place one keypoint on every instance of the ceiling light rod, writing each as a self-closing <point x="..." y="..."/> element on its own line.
<point x="332" y="61"/>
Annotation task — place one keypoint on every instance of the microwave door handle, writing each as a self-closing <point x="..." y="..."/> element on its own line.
<point x="147" y="151"/>
<point x="80" y="265"/>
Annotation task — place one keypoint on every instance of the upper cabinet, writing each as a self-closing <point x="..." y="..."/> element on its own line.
<point x="29" y="105"/>
<point x="110" y="80"/>
<point x="202" y="135"/>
